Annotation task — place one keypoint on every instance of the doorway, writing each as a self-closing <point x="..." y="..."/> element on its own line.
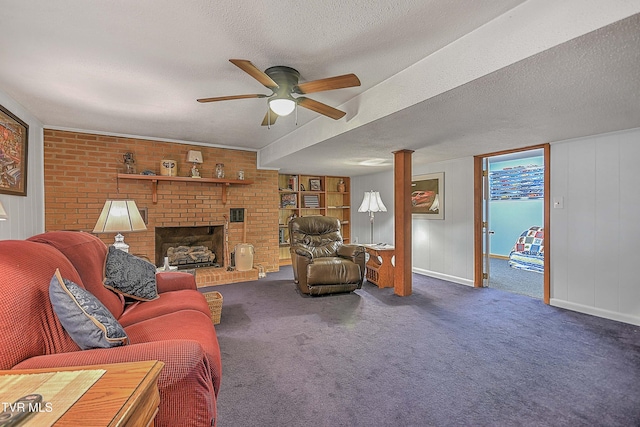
<point x="511" y="226"/>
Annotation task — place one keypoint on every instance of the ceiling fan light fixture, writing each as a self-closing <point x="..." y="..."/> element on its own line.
<point x="282" y="106"/>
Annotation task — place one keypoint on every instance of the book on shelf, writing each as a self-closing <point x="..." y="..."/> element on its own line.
<point x="311" y="201"/>
<point x="293" y="183"/>
<point x="288" y="200"/>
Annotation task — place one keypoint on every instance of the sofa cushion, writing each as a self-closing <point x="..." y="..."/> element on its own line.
<point x="87" y="253"/>
<point x="130" y="276"/>
<point x="83" y="316"/>
<point x="167" y="302"/>
<point x="191" y="325"/>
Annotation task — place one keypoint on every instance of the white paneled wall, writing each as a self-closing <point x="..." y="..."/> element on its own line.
<point x="594" y="238"/>
<point x="444" y="248"/>
<point x="441" y="248"/>
<point x="383" y="231"/>
<point x="26" y="214"/>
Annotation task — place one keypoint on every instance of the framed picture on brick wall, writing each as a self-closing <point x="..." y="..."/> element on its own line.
<point x="14" y="139"/>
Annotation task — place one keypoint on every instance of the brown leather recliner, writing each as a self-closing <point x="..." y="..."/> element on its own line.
<point x="322" y="263"/>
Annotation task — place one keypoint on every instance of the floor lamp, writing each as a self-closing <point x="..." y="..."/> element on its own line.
<point x="372" y="203"/>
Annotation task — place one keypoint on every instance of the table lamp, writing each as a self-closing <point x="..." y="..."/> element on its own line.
<point x="195" y="157"/>
<point x="372" y="203"/>
<point x="120" y="216"/>
<point x="3" y="213"/>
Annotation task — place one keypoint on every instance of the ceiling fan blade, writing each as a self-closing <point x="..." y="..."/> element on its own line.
<point x="337" y="82"/>
<point x="254" y="72"/>
<point x="265" y="121"/>
<point x="228" y="98"/>
<point x="321" y="108"/>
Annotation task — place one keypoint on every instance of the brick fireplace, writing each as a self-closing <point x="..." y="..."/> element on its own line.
<point x="168" y="239"/>
<point x="80" y="173"/>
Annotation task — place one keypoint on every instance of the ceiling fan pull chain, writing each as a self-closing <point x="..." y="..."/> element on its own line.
<point x="296" y="114"/>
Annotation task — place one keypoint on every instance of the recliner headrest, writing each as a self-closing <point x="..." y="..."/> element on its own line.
<point x="315" y="225"/>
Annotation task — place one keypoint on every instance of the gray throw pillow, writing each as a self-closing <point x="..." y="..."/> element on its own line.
<point x="83" y="316"/>
<point x="130" y="276"/>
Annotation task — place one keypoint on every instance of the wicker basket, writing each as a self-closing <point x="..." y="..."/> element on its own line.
<point x="214" y="299"/>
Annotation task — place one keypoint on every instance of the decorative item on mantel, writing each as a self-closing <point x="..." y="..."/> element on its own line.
<point x="168" y="167"/>
<point x="342" y="187"/>
<point x="129" y="162"/>
<point x="195" y="157"/>
<point x="219" y="170"/>
<point x="241" y="175"/>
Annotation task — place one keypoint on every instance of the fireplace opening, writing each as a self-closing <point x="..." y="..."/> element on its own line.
<point x="190" y="247"/>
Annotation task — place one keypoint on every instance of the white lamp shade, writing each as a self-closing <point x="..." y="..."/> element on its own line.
<point x="282" y="106"/>
<point x="194" y="156"/>
<point x="3" y="213"/>
<point x="364" y="206"/>
<point x="372" y="202"/>
<point x="119" y="216"/>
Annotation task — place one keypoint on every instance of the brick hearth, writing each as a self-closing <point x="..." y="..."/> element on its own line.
<point x="209" y="276"/>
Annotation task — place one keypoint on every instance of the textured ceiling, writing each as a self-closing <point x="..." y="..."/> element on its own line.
<point x="447" y="79"/>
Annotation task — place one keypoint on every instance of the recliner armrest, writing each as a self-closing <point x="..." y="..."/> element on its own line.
<point x="303" y="252"/>
<point x="350" y="251"/>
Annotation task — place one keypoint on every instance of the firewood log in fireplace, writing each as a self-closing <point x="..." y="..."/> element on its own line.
<point x="190" y="255"/>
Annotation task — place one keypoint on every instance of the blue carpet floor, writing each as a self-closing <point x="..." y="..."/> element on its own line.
<point x="447" y="355"/>
<point x="522" y="282"/>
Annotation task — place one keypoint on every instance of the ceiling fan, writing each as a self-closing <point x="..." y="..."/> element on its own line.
<point x="283" y="82"/>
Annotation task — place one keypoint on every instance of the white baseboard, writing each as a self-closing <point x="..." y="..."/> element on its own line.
<point x="454" y="279"/>
<point x="594" y="311"/>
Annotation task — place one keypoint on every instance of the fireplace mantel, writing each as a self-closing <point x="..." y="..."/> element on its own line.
<point x="224" y="183"/>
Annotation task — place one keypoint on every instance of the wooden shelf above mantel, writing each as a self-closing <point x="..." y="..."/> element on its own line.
<point x="224" y="183"/>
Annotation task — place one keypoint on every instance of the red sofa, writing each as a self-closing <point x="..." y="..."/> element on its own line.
<point x="176" y="328"/>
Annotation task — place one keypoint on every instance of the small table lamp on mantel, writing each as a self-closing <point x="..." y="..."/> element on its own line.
<point x="195" y="157"/>
<point x="120" y="216"/>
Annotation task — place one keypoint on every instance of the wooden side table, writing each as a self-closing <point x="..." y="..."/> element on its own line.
<point x="379" y="266"/>
<point x="126" y="395"/>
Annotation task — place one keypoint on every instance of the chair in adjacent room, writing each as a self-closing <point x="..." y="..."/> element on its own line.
<point x="322" y="262"/>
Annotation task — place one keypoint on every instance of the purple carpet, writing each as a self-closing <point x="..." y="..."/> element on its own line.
<point x="448" y="355"/>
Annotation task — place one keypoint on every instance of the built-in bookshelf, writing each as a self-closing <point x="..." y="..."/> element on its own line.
<point x="307" y="195"/>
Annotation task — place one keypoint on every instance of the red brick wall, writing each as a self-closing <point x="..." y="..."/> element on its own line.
<point x="81" y="173"/>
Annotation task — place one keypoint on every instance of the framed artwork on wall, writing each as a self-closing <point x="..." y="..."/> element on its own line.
<point x="427" y="195"/>
<point x="314" y="185"/>
<point x="14" y="139"/>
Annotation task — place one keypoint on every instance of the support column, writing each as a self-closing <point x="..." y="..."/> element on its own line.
<point x="402" y="214"/>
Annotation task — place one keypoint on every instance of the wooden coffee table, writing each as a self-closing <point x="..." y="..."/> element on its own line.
<point x="126" y="395"/>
